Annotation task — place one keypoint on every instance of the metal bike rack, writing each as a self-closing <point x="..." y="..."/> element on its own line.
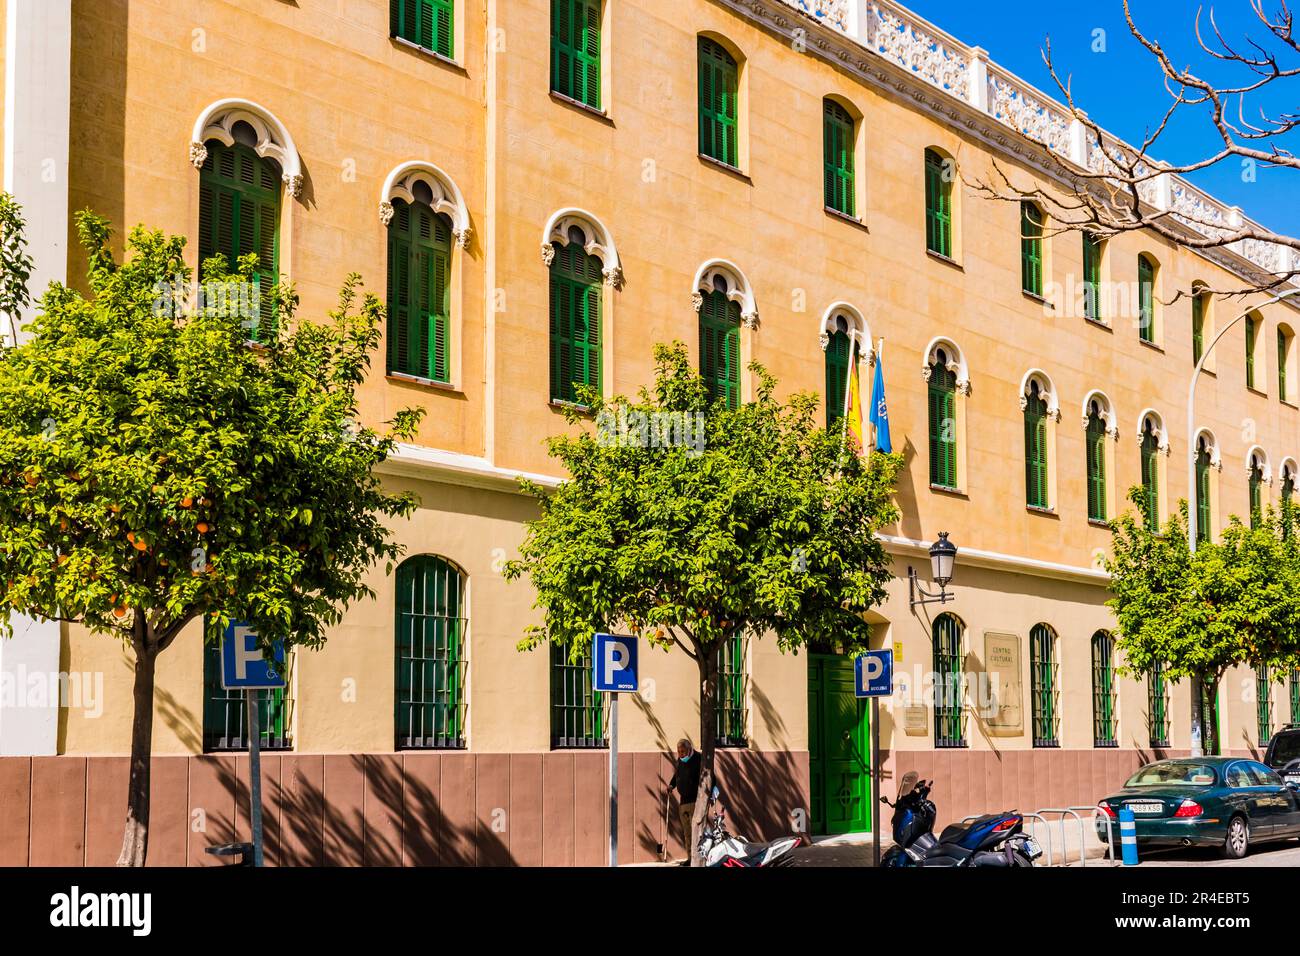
<point x="1061" y="813"/>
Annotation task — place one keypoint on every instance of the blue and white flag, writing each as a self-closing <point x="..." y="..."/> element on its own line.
<point x="879" y="410"/>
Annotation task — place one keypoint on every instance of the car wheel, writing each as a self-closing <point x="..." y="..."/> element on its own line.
<point x="1237" y="843"/>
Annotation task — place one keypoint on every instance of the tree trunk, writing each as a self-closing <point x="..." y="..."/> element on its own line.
<point x="706" y="658"/>
<point x="135" y="841"/>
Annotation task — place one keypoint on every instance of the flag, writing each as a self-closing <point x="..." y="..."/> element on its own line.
<point x="853" y="436"/>
<point x="879" y="410"/>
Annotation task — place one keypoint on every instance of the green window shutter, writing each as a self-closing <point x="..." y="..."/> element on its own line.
<point x="575" y="50"/>
<point x="837" y="376"/>
<point x="1281" y="364"/>
<point x="1095" y="448"/>
<point x="1146" y="302"/>
<point x="942" y="402"/>
<point x="1256" y="499"/>
<point x="430" y="656"/>
<point x="1150" y="477"/>
<point x="577" y="711"/>
<point x="731" y="696"/>
<point x="575" y="322"/>
<point x="1203" y="518"/>
<point x="239" y="213"/>
<point x="938" y="206"/>
<point x="419" y="295"/>
<point x="950" y="688"/>
<point x="426" y="23"/>
<point x="1250" y="351"/>
<point x="1198" y="327"/>
<point x="1036" y="450"/>
<point x="1295" y="696"/>
<point x="720" y="348"/>
<point x="1103" y="691"/>
<point x="1044" y="689"/>
<point x="1031" y="249"/>
<point x="719" y="86"/>
<point x="1158" y="707"/>
<point x="838" y="143"/>
<point x="1092" y="277"/>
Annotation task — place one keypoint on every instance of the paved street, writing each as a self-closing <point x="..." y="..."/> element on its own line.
<point x="1286" y="853"/>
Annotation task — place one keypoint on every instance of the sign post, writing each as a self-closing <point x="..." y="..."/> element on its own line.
<point x="614" y="665"/>
<point x="873" y="677"/>
<point x="244" y="667"/>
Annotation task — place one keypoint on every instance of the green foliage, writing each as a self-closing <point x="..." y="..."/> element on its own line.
<point x="1235" y="601"/>
<point x="765" y="525"/>
<point x="155" y="467"/>
<point x="15" y="264"/>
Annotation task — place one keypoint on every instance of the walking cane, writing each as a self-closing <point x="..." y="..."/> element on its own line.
<point x="663" y="830"/>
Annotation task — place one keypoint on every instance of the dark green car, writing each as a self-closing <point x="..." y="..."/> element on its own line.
<point x="1228" y="802"/>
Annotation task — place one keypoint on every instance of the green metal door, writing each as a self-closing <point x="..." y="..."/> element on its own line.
<point x="838" y="744"/>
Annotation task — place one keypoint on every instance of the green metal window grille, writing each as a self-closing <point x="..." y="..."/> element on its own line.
<point x="938" y="206"/>
<point x="239" y="213"/>
<point x="1255" y="484"/>
<point x="1146" y="299"/>
<point x="1035" y="448"/>
<point x="1263" y="705"/>
<point x="1092" y="277"/>
<point x="431" y="666"/>
<point x="1150" y="475"/>
<point x="577" y="711"/>
<point x="419" y="291"/>
<point x="575" y="321"/>
<point x="943" y="425"/>
<point x="950" y="686"/>
<point x="719" y="86"/>
<point x="731" y="692"/>
<point x="225" y="712"/>
<point x="837" y="376"/>
<point x="1031" y="248"/>
<point x="426" y="23"/>
<point x="1202" y="492"/>
<point x="1095" y="453"/>
<point x="1044" y="691"/>
<point x="1286" y="504"/>
<point x="838" y="144"/>
<point x="1250" y="351"/>
<point x="575" y="50"/>
<point x="1295" y="696"/>
<point x="1281" y="364"/>
<point x="1103" y="691"/>
<point x="1158" y="707"/>
<point x="1210" y="719"/>
<point x="720" y="347"/>
<point x="1198" y="327"/>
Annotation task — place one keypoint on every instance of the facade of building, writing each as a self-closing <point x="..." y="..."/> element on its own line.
<point x="541" y="190"/>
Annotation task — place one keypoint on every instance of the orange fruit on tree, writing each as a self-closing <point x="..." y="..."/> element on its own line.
<point x="119" y="612"/>
<point x="187" y="502"/>
<point x="201" y="527"/>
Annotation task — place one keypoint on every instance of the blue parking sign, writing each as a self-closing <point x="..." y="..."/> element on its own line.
<point x="873" y="674"/>
<point x="613" y="660"/>
<point x="242" y="665"/>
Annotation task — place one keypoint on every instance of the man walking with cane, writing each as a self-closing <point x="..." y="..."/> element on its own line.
<point x="686" y="781"/>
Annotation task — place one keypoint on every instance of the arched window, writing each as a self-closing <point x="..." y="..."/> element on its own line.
<point x="1203" y="511"/>
<point x="1103" y="691"/>
<point x="719" y="76"/>
<point x="1288" y="483"/>
<point x="720" y="345"/>
<point x="419" y="289"/>
<point x="938" y="204"/>
<point x="950" y="688"/>
<point x="1158" y="706"/>
<point x="1095" y="458"/>
<point x="1150" y="467"/>
<point x="1255" y="484"/>
<point x="430" y="654"/>
<point x="577" y="711"/>
<point x="239" y="213"/>
<point x="575" y="50"/>
<point x="1036" y="491"/>
<point x="575" y="309"/>
<point x="1045" y="692"/>
<point x="1031" y="248"/>
<point x="426" y="23"/>
<point x="1093" y="247"/>
<point x="841" y="352"/>
<point x="1200" y="307"/>
<point x="839" y="142"/>
<point x="942" y="390"/>
<point x="1146" y="298"/>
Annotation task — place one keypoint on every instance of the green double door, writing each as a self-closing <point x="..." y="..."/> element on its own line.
<point x="838" y="745"/>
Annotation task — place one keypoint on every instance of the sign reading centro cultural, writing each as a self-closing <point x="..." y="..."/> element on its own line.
<point x="1006" y="716"/>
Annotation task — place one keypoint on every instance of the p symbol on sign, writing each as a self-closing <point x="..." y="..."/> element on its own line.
<point x="615" y="659"/>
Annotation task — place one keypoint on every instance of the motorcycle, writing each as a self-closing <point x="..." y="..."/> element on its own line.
<point x="992" y="840"/>
<point x="719" y="847"/>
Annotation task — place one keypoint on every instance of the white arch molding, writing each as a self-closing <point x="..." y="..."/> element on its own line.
<point x="1105" y="408"/>
<point x="1211" y="445"/>
<point x="598" y="241"/>
<point x="1162" y="433"/>
<point x="857" y="324"/>
<point x="956" y="362"/>
<point x="1287" y="469"/>
<point x="447" y="198"/>
<point x="735" y="285"/>
<point x="1265" y="469"/>
<point x="273" y="139"/>
<point x="1046" y="389"/>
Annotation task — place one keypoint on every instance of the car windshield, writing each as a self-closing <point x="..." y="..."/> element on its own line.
<point x="1157" y="774"/>
<point x="1285" y="749"/>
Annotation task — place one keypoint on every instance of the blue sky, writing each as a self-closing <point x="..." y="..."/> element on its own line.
<point x="1121" y="88"/>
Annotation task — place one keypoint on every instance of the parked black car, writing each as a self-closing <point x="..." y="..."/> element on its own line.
<point x="1283" y="753"/>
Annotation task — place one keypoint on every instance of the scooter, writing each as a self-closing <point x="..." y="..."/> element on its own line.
<point x="719" y="847"/>
<point x="992" y="840"/>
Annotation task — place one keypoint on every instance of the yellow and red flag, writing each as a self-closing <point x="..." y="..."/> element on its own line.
<point x="854" y="435"/>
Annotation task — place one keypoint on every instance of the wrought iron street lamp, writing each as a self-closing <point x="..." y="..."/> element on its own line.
<point x="943" y="555"/>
